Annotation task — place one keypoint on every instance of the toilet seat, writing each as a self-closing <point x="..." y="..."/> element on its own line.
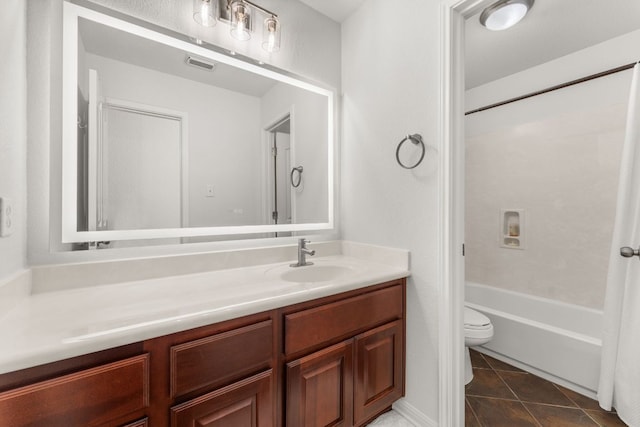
<point x="477" y="327"/>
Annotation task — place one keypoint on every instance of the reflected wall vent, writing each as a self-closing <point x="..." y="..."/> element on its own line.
<point x="200" y="63"/>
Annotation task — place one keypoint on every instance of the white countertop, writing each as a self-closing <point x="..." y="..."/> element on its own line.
<point x="51" y="326"/>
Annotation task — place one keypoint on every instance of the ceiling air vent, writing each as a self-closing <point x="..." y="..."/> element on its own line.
<point x="200" y="63"/>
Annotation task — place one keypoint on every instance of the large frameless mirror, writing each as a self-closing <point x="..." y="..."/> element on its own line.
<point x="166" y="141"/>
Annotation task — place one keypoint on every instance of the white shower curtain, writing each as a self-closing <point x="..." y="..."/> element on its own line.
<point x="620" y="368"/>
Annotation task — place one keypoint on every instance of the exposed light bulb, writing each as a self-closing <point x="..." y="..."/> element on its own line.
<point x="204" y="13"/>
<point x="272" y="42"/>
<point x="239" y="29"/>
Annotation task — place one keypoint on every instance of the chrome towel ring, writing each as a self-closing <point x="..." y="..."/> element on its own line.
<point x="298" y="169"/>
<point x="416" y="139"/>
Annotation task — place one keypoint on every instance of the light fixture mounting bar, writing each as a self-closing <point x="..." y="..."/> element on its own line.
<point x="255" y="6"/>
<point x="225" y="5"/>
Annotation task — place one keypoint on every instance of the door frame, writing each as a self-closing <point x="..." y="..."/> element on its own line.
<point x="267" y="166"/>
<point x="181" y="117"/>
<point x="451" y="209"/>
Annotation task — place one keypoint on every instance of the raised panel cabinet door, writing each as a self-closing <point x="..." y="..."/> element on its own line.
<point x="246" y="403"/>
<point x="379" y="370"/>
<point x="320" y="388"/>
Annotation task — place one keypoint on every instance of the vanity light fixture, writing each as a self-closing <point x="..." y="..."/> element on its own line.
<point x="504" y="14"/>
<point x="204" y="12"/>
<point x="271" y="34"/>
<point x="240" y="21"/>
<point x="239" y="14"/>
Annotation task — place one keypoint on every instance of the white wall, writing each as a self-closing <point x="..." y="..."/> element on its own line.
<point x="390" y="89"/>
<point x="310" y="47"/>
<point x="557" y="156"/>
<point x="309" y="137"/>
<point x="44" y="105"/>
<point x="224" y="137"/>
<point x="13" y="131"/>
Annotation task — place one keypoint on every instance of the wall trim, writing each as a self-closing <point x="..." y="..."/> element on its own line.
<point x="451" y="209"/>
<point x="412" y="414"/>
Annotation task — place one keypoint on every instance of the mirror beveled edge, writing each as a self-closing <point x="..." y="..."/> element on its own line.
<point x="73" y="10"/>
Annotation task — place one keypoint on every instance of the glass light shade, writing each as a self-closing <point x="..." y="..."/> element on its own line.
<point x="271" y="35"/>
<point x="505" y="14"/>
<point x="204" y="12"/>
<point x="240" y="21"/>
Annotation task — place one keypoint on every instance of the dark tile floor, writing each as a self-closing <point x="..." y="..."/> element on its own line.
<point x="503" y="396"/>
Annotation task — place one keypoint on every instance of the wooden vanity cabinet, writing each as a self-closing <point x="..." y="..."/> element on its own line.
<point x="318" y="388"/>
<point x="359" y="371"/>
<point x="379" y="371"/>
<point x="217" y="375"/>
<point x="246" y="403"/>
<point x="111" y="394"/>
<point x="334" y="361"/>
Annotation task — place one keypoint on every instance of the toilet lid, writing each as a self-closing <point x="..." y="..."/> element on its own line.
<point x="475" y="319"/>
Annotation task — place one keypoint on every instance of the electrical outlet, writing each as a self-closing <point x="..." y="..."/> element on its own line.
<point x="6" y="217"/>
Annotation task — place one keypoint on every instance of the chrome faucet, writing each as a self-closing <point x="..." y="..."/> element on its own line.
<point x="302" y="254"/>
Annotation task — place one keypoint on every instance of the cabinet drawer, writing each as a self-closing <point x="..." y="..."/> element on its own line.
<point x="247" y="403"/>
<point x="140" y="423"/>
<point x="220" y="359"/>
<point x="317" y="326"/>
<point x="87" y="398"/>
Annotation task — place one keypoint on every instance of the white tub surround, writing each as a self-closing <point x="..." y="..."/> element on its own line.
<point x="557" y="341"/>
<point x="55" y="325"/>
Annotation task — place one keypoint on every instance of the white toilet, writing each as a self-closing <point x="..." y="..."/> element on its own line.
<point x="478" y="330"/>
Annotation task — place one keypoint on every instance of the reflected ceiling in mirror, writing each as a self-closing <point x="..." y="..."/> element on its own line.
<point x="167" y="141"/>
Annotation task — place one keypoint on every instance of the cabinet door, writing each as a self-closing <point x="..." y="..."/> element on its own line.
<point x="247" y="403"/>
<point x="379" y="379"/>
<point x="320" y="388"/>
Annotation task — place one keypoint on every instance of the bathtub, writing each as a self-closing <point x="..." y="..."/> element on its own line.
<point x="557" y="341"/>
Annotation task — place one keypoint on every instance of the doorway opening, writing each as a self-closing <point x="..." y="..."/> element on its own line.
<point x="278" y="167"/>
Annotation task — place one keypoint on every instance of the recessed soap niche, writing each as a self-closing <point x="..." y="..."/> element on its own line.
<point x="512" y="228"/>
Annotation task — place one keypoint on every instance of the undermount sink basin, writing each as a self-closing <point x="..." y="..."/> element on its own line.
<point x="315" y="273"/>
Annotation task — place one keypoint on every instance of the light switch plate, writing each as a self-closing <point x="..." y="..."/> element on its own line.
<point x="6" y="217"/>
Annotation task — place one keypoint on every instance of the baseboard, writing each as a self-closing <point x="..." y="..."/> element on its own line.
<point x="413" y="415"/>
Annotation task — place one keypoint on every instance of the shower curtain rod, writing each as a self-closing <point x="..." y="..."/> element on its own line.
<point x="552" y="88"/>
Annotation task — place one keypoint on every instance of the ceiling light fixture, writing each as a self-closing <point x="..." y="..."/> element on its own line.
<point x="239" y="14"/>
<point x="505" y="14"/>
